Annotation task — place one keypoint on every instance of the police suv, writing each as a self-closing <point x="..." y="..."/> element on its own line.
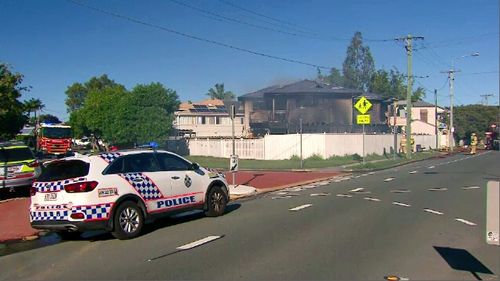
<point x="119" y="191"/>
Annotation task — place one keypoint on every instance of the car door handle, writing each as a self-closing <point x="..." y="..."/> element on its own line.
<point x="175" y="177"/>
<point x="138" y="180"/>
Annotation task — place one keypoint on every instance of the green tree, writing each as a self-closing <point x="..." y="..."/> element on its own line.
<point x="334" y="78"/>
<point x="218" y="92"/>
<point x="393" y="84"/>
<point x="358" y="66"/>
<point x="77" y="92"/>
<point x="12" y="117"/>
<point x="33" y="105"/>
<point x="475" y="118"/>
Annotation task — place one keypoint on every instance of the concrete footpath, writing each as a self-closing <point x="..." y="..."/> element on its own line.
<point x="14" y="217"/>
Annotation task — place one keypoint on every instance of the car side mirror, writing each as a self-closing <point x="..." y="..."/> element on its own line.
<point x="195" y="166"/>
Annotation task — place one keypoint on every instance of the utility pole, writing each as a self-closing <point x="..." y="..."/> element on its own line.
<point x="485" y="97"/>
<point x="409" y="52"/>
<point x="394" y="107"/>
<point x="436" y="116"/>
<point x="451" y="78"/>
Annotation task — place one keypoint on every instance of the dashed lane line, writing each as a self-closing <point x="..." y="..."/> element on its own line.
<point x="198" y="242"/>
<point x="400" y="191"/>
<point x="388" y="179"/>
<point x="319" y="194"/>
<point x="401" y="204"/>
<point x="465" y="221"/>
<point x="431" y="167"/>
<point x="298" y="208"/>
<point x="438" y="189"/>
<point x="470" y="187"/>
<point x="281" y="197"/>
<point x="357" y="189"/>
<point x="344" y="195"/>
<point x="372" y="199"/>
<point x="432" y="211"/>
<point x="413" y="172"/>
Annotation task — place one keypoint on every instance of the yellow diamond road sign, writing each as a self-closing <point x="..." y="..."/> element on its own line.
<point x="363" y="119"/>
<point x="363" y="105"/>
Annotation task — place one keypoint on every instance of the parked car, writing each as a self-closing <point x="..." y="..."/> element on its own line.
<point x="119" y="191"/>
<point x="84" y="141"/>
<point x="18" y="166"/>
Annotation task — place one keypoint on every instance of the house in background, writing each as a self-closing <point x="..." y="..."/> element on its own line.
<point x="208" y="119"/>
<point x="423" y="115"/>
<point x="321" y="107"/>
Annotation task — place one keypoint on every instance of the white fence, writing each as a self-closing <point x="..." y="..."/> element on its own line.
<point x="277" y="147"/>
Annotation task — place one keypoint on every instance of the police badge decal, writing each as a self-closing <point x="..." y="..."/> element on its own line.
<point x="187" y="181"/>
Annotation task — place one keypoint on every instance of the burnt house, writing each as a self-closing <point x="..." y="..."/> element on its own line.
<point x="319" y="107"/>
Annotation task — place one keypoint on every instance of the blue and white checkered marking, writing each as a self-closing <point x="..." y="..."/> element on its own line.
<point x="146" y="188"/>
<point x="54" y="186"/>
<point x="93" y="212"/>
<point x="110" y="156"/>
<point x="49" y="215"/>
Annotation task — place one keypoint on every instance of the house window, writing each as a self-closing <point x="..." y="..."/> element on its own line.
<point x="217" y="120"/>
<point x="201" y="120"/>
<point x="423" y="115"/>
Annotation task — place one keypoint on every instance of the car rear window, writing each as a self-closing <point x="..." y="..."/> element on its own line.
<point x="16" y="154"/>
<point x="64" y="169"/>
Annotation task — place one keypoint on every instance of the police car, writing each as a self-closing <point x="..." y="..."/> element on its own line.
<point x="18" y="166"/>
<point x="119" y="191"/>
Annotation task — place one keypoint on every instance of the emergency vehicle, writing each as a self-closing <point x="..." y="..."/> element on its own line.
<point x="119" y="191"/>
<point x="18" y="166"/>
<point x="54" y="139"/>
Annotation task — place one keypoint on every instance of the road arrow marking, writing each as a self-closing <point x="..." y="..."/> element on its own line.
<point x="465" y="221"/>
<point x="301" y="207"/>
<point x="432" y="211"/>
<point x="401" y="204"/>
<point x="400" y="191"/>
<point x="372" y="199"/>
<point x="198" y="243"/>
<point x="388" y="179"/>
<point x="320" y="194"/>
<point x="413" y="172"/>
<point x="438" y="189"/>
<point x="344" y="195"/>
<point x="470" y="187"/>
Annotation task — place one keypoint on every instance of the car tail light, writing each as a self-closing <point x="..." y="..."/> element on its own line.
<point x="85" y="186"/>
<point x="33" y="191"/>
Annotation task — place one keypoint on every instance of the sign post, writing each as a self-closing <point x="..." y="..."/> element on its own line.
<point x="363" y="105"/>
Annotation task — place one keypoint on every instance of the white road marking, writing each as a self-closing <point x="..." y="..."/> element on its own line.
<point x="413" y="172"/>
<point x="337" y="180"/>
<point x="466" y="222"/>
<point x="432" y="211"/>
<point x="344" y="195"/>
<point x="401" y="204"/>
<point x="198" y="243"/>
<point x="388" y="179"/>
<point x="281" y="193"/>
<point x="371" y="173"/>
<point x="281" y="197"/>
<point x="320" y="194"/>
<point x="364" y="175"/>
<point x="323" y="183"/>
<point x="372" y="199"/>
<point x="400" y="191"/>
<point x="357" y="189"/>
<point x="309" y="186"/>
<point x="470" y="187"/>
<point x="301" y="207"/>
<point x="438" y="189"/>
<point x="431" y="167"/>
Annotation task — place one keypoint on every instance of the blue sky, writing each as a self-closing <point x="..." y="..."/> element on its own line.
<point x="55" y="43"/>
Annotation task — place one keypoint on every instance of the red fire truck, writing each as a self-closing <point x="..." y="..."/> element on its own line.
<point x="54" y="139"/>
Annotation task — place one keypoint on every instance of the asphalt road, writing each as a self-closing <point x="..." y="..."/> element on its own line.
<point x="374" y="233"/>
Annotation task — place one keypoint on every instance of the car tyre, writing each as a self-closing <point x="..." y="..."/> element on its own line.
<point x="216" y="202"/>
<point x="128" y="221"/>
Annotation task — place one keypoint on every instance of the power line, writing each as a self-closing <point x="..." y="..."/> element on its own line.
<point x="482" y="72"/>
<point x="141" y="22"/>
<point x="297" y="27"/>
<point x="239" y="21"/>
<point x="457" y="41"/>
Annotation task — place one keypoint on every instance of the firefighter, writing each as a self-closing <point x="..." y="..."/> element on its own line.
<point x="473" y="143"/>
